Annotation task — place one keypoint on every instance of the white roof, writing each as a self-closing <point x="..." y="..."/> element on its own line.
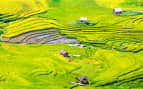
<point x="118" y="9"/>
<point x="83" y="18"/>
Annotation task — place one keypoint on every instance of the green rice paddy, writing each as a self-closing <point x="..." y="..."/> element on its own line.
<point x="111" y="60"/>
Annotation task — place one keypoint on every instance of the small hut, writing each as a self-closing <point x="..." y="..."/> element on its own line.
<point x="84" y="80"/>
<point x="64" y="53"/>
<point x="83" y="19"/>
<point x="117" y="11"/>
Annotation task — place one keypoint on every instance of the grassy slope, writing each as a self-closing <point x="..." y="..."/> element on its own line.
<point x="31" y="66"/>
<point x="31" y="71"/>
<point x="37" y="73"/>
<point x="22" y="7"/>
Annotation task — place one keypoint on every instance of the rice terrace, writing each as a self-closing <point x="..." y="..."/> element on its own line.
<point x="71" y="44"/>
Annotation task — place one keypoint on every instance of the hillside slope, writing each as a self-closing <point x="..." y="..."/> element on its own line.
<point x="22" y="7"/>
<point x="111" y="60"/>
<point x="42" y="67"/>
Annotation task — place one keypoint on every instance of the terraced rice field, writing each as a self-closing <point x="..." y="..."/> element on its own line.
<point x="112" y="58"/>
<point x="41" y="66"/>
<point x="118" y="35"/>
<point x="40" y="37"/>
<point x="23" y="8"/>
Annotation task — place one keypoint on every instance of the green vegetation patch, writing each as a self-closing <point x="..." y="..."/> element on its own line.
<point x="86" y="23"/>
<point x="130" y="13"/>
